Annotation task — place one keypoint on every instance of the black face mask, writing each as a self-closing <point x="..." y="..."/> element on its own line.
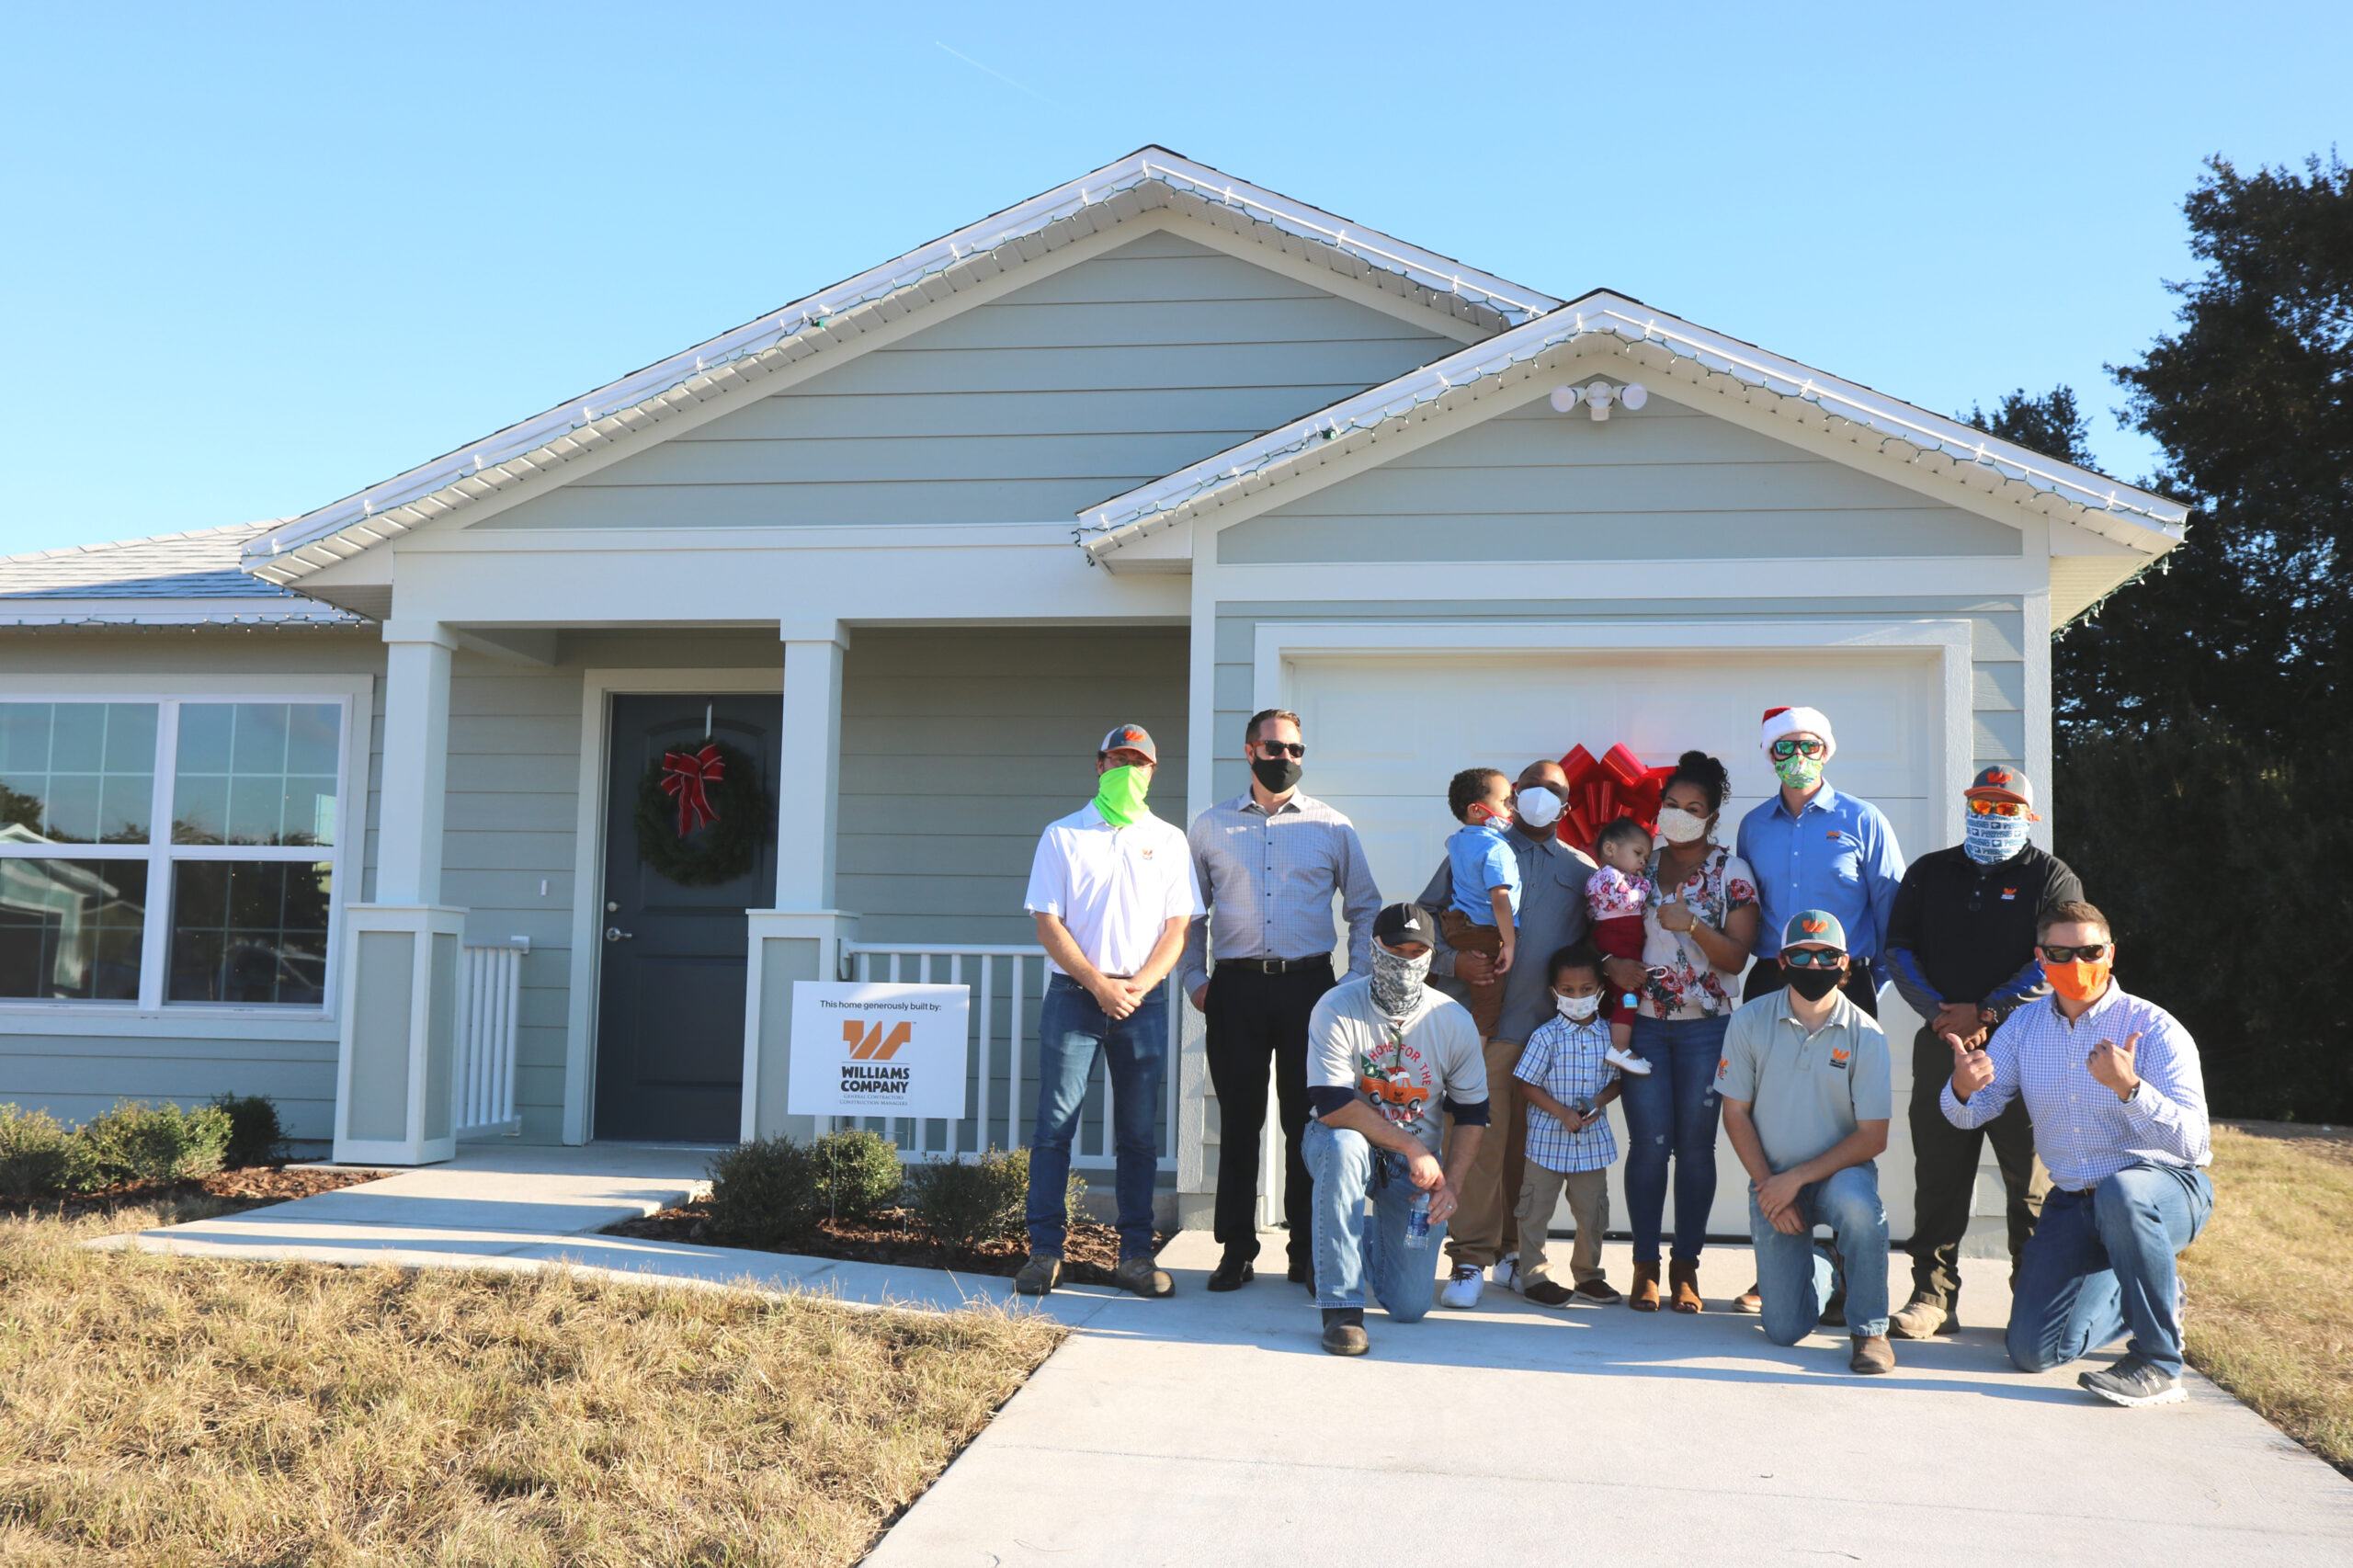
<point x="1813" y="984"/>
<point x="1275" y="773"/>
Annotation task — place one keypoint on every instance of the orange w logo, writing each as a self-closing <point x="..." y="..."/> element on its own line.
<point x="870" y="1044"/>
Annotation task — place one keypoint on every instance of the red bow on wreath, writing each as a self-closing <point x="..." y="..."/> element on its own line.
<point x="1601" y="792"/>
<point x="684" y="774"/>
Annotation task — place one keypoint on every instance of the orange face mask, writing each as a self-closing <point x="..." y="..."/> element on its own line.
<point x="2078" y="981"/>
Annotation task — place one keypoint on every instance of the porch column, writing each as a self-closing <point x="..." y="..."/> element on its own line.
<point x="801" y="938"/>
<point x="395" y="1071"/>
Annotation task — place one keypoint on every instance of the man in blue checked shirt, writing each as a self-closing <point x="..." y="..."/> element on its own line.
<point x="2119" y="1118"/>
<point x="1812" y="848"/>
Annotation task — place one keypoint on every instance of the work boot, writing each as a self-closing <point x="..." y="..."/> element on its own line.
<point x="1643" y="1297"/>
<point x="1683" y="1280"/>
<point x="1040" y="1274"/>
<point x="1144" y="1277"/>
<point x="1921" y="1318"/>
<point x="1234" y="1271"/>
<point x="1343" y="1331"/>
<point x="1872" y="1354"/>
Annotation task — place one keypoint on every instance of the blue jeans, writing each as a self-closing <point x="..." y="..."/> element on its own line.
<point x="1072" y="1027"/>
<point x="1672" y="1113"/>
<point x="1349" y="1252"/>
<point x="2102" y="1262"/>
<point x="1793" y="1275"/>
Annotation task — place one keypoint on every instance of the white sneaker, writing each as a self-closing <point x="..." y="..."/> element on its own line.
<point x="1627" y="1062"/>
<point x="1505" y="1275"/>
<point x="1462" y="1289"/>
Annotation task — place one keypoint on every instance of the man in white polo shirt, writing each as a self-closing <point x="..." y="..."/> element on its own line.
<point x="1112" y="891"/>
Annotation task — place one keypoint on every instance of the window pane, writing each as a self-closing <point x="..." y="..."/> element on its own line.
<point x="257" y="773"/>
<point x="249" y="931"/>
<point x="76" y="772"/>
<point x="72" y="929"/>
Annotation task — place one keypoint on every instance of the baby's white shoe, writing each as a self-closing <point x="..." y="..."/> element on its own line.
<point x="1626" y="1061"/>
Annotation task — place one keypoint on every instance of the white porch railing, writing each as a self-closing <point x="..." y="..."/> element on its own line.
<point x="489" y="989"/>
<point x="1008" y="982"/>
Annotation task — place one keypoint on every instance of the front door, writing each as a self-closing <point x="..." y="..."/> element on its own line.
<point x="670" y="1013"/>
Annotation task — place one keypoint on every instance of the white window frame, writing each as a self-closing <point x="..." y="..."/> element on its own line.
<point x="353" y="695"/>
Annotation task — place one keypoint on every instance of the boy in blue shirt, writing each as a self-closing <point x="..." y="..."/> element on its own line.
<point x="1484" y="915"/>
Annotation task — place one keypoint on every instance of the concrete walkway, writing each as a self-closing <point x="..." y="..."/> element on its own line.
<point x="1213" y="1428"/>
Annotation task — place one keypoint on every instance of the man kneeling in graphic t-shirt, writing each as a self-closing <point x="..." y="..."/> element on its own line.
<point x="1387" y="1059"/>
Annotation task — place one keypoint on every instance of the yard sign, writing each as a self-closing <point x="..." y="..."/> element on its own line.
<point x="878" y="1050"/>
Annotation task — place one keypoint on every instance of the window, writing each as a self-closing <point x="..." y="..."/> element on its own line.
<point x="172" y="851"/>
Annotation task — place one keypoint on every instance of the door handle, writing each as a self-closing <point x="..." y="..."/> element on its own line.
<point x="615" y="933"/>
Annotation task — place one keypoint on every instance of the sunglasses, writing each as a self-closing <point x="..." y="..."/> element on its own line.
<point x="1811" y="958"/>
<point x="1997" y="809"/>
<point x="1784" y="750"/>
<point x="1293" y="749"/>
<point x="2090" y="952"/>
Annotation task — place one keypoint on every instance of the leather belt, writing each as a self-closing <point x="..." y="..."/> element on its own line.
<point x="1278" y="966"/>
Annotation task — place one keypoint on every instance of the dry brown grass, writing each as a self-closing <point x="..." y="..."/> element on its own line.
<point x="170" y="1411"/>
<point x="2268" y="1283"/>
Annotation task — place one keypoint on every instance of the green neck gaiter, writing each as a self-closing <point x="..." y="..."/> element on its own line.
<point x="1120" y="793"/>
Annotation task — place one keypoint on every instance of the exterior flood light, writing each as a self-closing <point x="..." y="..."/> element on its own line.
<point x="1598" y="398"/>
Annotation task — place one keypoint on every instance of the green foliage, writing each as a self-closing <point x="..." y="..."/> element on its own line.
<point x="766" y="1191"/>
<point x="32" y="1154"/>
<point x="256" y="1135"/>
<point x="137" y="1142"/>
<point x="2052" y="424"/>
<point x="965" y="1202"/>
<point x="2227" y="868"/>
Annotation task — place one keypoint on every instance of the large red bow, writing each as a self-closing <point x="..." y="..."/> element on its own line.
<point x="684" y="774"/>
<point x="1601" y="792"/>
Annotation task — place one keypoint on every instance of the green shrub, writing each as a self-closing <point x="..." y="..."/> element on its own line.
<point x="764" y="1192"/>
<point x="137" y="1142"/>
<point x="966" y="1202"/>
<point x="32" y="1154"/>
<point x="857" y="1174"/>
<point x="256" y="1135"/>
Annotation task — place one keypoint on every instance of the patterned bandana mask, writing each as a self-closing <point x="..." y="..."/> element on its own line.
<point x="1396" y="981"/>
<point x="1989" y="841"/>
<point x="1800" y="772"/>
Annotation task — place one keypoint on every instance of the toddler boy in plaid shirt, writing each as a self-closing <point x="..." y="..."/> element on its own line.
<point x="1568" y="1078"/>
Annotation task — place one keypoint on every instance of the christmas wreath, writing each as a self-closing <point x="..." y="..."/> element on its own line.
<point x="702" y="815"/>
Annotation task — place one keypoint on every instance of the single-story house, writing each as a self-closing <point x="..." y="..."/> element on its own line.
<point x="369" y="809"/>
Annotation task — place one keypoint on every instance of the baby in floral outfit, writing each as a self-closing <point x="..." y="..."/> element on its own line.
<point x="1614" y="897"/>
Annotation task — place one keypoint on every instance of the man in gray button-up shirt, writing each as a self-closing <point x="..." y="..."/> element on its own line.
<point x="1552" y="915"/>
<point x="1269" y="862"/>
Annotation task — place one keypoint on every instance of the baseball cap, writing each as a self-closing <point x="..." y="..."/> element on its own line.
<point x="1130" y="737"/>
<point x="2000" y="781"/>
<point x="1401" y="923"/>
<point x="1815" y="925"/>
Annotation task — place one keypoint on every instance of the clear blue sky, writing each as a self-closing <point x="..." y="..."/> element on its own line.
<point x="253" y="258"/>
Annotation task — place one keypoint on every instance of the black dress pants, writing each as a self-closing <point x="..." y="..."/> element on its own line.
<point x="1944" y="1166"/>
<point x="1254" y="1018"/>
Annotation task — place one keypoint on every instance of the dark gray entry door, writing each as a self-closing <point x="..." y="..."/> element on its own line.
<point x="670" y="1013"/>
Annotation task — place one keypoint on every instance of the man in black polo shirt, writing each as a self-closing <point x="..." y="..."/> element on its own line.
<point x="1960" y="947"/>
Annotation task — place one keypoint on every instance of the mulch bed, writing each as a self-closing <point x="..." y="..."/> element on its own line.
<point x="251" y="1186"/>
<point x="1089" y="1255"/>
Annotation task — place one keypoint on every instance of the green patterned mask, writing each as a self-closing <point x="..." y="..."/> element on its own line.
<point x="1800" y="772"/>
<point x="1120" y="793"/>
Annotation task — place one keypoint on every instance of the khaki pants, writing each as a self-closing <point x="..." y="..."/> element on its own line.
<point x="1486" y="997"/>
<point x="1483" y="1229"/>
<point x="1539" y="1193"/>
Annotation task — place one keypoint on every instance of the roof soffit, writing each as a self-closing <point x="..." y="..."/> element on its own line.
<point x="706" y="380"/>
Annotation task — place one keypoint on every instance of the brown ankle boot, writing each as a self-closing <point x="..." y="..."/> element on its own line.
<point x="1683" y="1280"/>
<point x="1643" y="1297"/>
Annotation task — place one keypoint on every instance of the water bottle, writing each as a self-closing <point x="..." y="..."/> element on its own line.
<point x="1418" y="1223"/>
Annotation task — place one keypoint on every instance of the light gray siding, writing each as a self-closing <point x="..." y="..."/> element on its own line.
<point x="959" y="745"/>
<point x="1530" y="484"/>
<point x="1998" y="653"/>
<point x="1082" y="385"/>
<point x="81" y="1065"/>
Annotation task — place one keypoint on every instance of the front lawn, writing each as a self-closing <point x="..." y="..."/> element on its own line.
<point x="2271" y="1279"/>
<point x="168" y="1411"/>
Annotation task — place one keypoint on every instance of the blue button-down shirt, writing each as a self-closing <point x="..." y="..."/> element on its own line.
<point x="1838" y="854"/>
<point x="1268" y="883"/>
<point x="2082" y="1131"/>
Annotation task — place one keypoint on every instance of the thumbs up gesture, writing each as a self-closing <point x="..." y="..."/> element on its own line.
<point x="1971" y="1068"/>
<point x="2112" y="1065"/>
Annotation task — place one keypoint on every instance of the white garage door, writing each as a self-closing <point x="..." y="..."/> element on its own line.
<point x="1386" y="733"/>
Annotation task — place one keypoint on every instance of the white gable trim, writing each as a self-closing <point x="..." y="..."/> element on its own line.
<point x="1927" y="442"/>
<point x="845" y="313"/>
